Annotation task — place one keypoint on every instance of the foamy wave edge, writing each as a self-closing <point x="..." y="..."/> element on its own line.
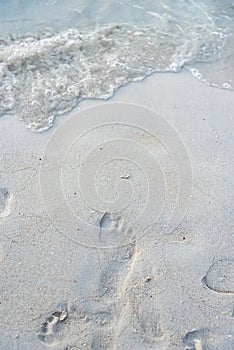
<point x="43" y="76"/>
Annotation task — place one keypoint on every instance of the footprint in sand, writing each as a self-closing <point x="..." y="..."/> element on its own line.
<point x="113" y="229"/>
<point x="103" y="312"/>
<point x="114" y="270"/>
<point x="116" y="307"/>
<point x="196" y="339"/>
<point x="5" y="198"/>
<point x="220" y="276"/>
<point x="114" y="263"/>
<point x="51" y="331"/>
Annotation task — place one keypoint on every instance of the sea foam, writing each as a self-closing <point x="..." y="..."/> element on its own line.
<point x="46" y="74"/>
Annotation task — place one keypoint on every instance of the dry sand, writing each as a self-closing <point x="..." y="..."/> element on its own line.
<point x="160" y="290"/>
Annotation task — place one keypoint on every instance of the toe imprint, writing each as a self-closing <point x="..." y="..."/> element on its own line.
<point x="51" y="329"/>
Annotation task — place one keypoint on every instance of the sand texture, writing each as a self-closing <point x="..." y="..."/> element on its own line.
<point x="87" y="257"/>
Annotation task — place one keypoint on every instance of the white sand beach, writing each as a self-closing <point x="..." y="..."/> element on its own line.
<point x="76" y="276"/>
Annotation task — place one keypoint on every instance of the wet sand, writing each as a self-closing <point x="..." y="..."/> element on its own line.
<point x="157" y="290"/>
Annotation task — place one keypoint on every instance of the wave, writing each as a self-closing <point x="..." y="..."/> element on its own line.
<point x="47" y="74"/>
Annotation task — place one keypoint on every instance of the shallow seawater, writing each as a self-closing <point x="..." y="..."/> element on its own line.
<point x="54" y="53"/>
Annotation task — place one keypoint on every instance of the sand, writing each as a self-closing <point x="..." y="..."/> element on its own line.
<point x="75" y="277"/>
